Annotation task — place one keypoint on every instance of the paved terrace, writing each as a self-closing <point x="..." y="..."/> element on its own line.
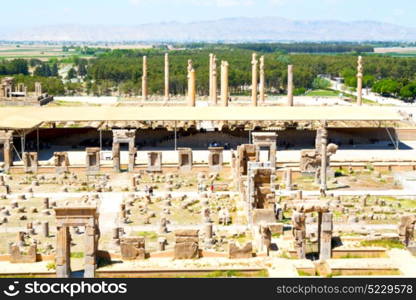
<point x="32" y="117"/>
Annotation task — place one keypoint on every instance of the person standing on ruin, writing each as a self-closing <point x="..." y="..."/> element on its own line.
<point x="212" y="187"/>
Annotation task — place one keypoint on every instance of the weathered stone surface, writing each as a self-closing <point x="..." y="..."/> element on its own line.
<point x="17" y="257"/>
<point x="234" y="251"/>
<point x="186" y="250"/>
<point x="186" y="244"/>
<point x="263" y="215"/>
<point x="276" y="228"/>
<point x="186" y="232"/>
<point x="132" y="248"/>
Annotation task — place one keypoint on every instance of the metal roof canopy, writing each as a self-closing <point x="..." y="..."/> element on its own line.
<point x="32" y="117"/>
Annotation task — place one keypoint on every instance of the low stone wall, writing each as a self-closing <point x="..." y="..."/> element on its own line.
<point x="20" y="102"/>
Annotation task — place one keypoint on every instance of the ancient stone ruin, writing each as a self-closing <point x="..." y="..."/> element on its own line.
<point x="185" y="159"/>
<point x="6" y="140"/>
<point x="154" y="161"/>
<point x="317" y="162"/>
<point x="237" y="251"/>
<point x="260" y="192"/>
<point x="325" y="228"/>
<point x="132" y="248"/>
<point x="407" y="229"/>
<point x="61" y="162"/>
<point x="67" y="217"/>
<point x="93" y="160"/>
<point x="122" y="136"/>
<point x="266" y="140"/>
<point x="186" y="244"/>
<point x="30" y="162"/>
<point x="16" y="94"/>
<point x="215" y="158"/>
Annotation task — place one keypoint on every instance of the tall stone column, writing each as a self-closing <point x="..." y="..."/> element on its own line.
<point x="299" y="233"/>
<point x="224" y="83"/>
<point x="63" y="251"/>
<point x="262" y="80"/>
<point x="324" y="158"/>
<point x="38" y="89"/>
<point x="290" y="85"/>
<point x="211" y="57"/>
<point x="214" y="81"/>
<point x="166" y="76"/>
<point x="90" y="264"/>
<point x="191" y="84"/>
<point x="288" y="179"/>
<point x="325" y="248"/>
<point x="360" y="81"/>
<point x="116" y="157"/>
<point x="144" y="79"/>
<point x="8" y="153"/>
<point x="254" y="63"/>
<point x="45" y="229"/>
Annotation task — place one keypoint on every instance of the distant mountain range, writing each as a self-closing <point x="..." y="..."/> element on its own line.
<point x="227" y="30"/>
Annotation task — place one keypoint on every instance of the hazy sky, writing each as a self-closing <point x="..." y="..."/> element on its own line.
<point x="130" y="12"/>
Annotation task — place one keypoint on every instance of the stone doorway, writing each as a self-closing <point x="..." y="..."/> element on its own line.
<point x="123" y="136"/>
<point x="266" y="141"/>
<point x="154" y="163"/>
<point x="215" y="159"/>
<point x="76" y="216"/>
<point x="324" y="228"/>
<point x="185" y="159"/>
<point x="93" y="160"/>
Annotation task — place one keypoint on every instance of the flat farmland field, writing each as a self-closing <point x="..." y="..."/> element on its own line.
<point x="43" y="52"/>
<point x="397" y="51"/>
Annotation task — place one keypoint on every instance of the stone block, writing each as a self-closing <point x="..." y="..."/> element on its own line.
<point x="186" y="250"/>
<point x="263" y="215"/>
<point x="276" y="228"/>
<point x="234" y="251"/>
<point x="132" y="248"/>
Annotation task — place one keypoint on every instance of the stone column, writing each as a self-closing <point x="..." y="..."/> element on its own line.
<point x="46" y="203"/>
<point x="214" y="81"/>
<point x="63" y="240"/>
<point x="324" y="158"/>
<point x="8" y="153"/>
<point x="116" y="233"/>
<point x="224" y="83"/>
<point x="116" y="157"/>
<point x="144" y="79"/>
<point x="161" y="242"/>
<point x="360" y="81"/>
<point x="299" y="233"/>
<point x="166" y="76"/>
<point x="254" y="63"/>
<point x="288" y="179"/>
<point x="38" y="89"/>
<point x="163" y="226"/>
<point x="45" y="229"/>
<point x="132" y="156"/>
<point x="262" y="80"/>
<point x="208" y="233"/>
<point x="191" y="84"/>
<point x="290" y="85"/>
<point x="211" y="57"/>
<point x="90" y="263"/>
<point x="325" y="249"/>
